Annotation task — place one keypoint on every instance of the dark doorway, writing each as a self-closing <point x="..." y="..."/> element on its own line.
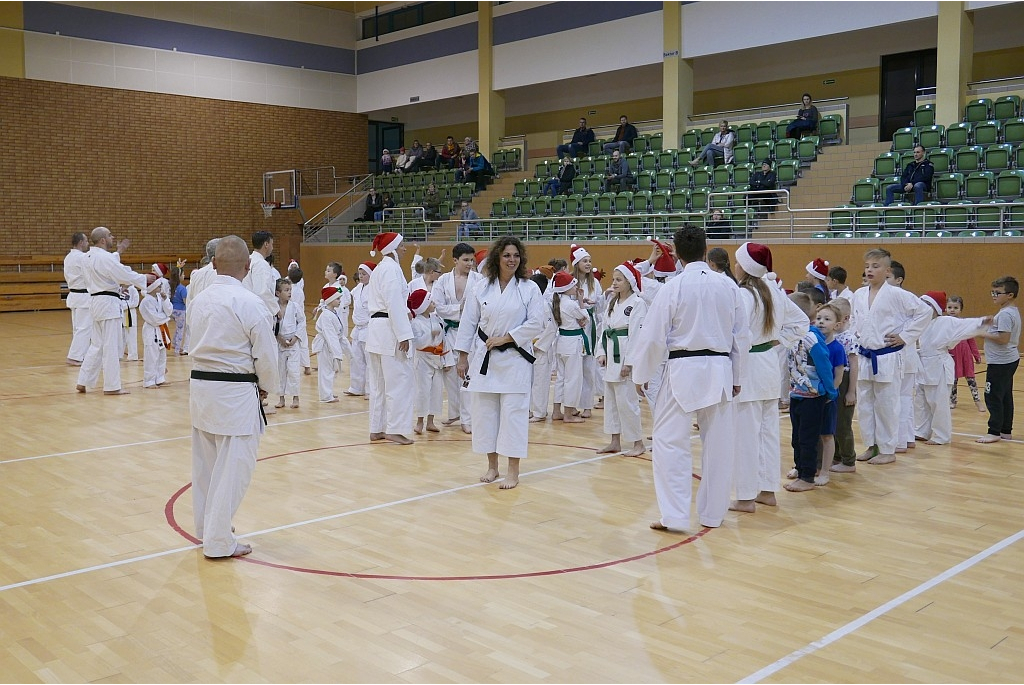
<point x="903" y="76"/>
<point x="383" y="135"/>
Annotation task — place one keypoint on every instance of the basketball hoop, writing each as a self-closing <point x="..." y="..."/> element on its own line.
<point x="268" y="208"/>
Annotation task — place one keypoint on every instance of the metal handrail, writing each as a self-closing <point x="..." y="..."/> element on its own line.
<point x="324" y="216"/>
<point x="788" y="105"/>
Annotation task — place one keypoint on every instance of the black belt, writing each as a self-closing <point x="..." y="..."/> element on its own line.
<point x="676" y="354"/>
<point x="501" y="348"/>
<point x="233" y="378"/>
<point x="379" y="315"/>
<point x="77" y="290"/>
<point x="106" y="292"/>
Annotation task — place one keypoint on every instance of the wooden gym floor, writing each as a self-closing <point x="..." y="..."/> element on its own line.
<point x="393" y="564"/>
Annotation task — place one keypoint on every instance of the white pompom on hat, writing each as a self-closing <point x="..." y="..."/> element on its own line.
<point x="631" y="275"/>
<point x="385" y="243"/>
<point x="755" y="259"/>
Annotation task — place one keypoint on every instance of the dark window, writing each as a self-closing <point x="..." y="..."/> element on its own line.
<point x="414" y="15"/>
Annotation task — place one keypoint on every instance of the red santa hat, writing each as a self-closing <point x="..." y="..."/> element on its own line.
<point x="631" y="275"/>
<point x="385" y="243"/>
<point x="418" y="301"/>
<point x="937" y="300"/>
<point x="598" y="273"/>
<point x="156" y="284"/>
<point x="367" y="266"/>
<point x="564" y="281"/>
<point x="330" y="294"/>
<point x="665" y="265"/>
<point x="818" y="269"/>
<point x="481" y="259"/>
<point x="576" y="253"/>
<point x="160" y="269"/>
<point x="755" y="258"/>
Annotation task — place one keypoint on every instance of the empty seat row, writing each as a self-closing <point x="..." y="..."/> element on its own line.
<point x="980" y="109"/>
<point x="959" y="134"/>
<point x="625" y="202"/>
<point x="737" y="223"/>
<point x="876" y="235"/>
<point x="991" y="215"/>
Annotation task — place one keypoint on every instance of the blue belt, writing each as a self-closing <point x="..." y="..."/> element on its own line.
<point x="873" y="355"/>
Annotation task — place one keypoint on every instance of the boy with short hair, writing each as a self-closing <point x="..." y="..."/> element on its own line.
<point x="836" y="283"/>
<point x="327" y="343"/>
<point x="845" y="458"/>
<point x="1003" y="357"/>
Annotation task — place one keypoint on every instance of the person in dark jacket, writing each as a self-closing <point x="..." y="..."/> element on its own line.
<point x="764" y="179"/>
<point x="374" y="204"/>
<point x="582" y="137"/>
<point x="562" y="184"/>
<point x="617" y="173"/>
<point x="806" y="119"/>
<point x="916" y="179"/>
<point x="625" y="134"/>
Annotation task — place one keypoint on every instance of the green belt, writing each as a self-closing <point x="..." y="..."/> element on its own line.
<point x="593" y="328"/>
<point x="763" y="347"/>
<point x="614" y="334"/>
<point x="579" y="332"/>
<point x="449" y="324"/>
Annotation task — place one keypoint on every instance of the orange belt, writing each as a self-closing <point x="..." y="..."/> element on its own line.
<point x="166" y="333"/>
<point x="434" y="349"/>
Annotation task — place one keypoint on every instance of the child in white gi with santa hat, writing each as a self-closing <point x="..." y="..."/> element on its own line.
<point x="431" y="357"/>
<point x="327" y="343"/>
<point x="156" y="310"/>
<point x="573" y="344"/>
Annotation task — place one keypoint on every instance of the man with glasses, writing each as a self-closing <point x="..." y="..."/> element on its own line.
<point x="1003" y="357"/>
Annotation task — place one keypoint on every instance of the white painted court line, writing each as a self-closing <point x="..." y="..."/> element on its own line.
<point x="880" y="611"/>
<point x="154" y="442"/>
<point x="155" y="555"/>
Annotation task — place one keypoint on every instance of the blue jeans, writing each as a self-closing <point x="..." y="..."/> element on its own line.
<point x="710" y="152"/>
<point x="795" y="128"/>
<point x="919" y="191"/>
<point x="620" y="146"/>
<point x="571" y="149"/>
<point x="465" y="230"/>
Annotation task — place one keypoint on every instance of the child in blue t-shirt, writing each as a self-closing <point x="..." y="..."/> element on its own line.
<point x="178" y="296"/>
<point x="828" y="321"/>
<point x="811" y="387"/>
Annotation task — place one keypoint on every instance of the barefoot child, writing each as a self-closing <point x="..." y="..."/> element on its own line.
<point x="287" y="330"/>
<point x="885" y="318"/>
<point x="295" y="275"/>
<point x="327" y="343"/>
<point x="155" y="310"/>
<point x="130" y="305"/>
<point x="811" y="387"/>
<point x="625" y="317"/>
<point x="431" y="357"/>
<point x="360" y="320"/>
<point x="591" y="300"/>
<point x="828" y="321"/>
<point x="544" y="351"/>
<point x="911" y="364"/>
<point x="1003" y="357"/>
<point x="965" y="356"/>
<point x="569" y="315"/>
<point x="845" y="459"/>
<point x="931" y="404"/>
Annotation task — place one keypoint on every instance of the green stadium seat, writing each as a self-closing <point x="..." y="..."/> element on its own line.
<point x="663" y="179"/>
<point x="623" y="202"/>
<point x="743" y="153"/>
<point x="786" y="148"/>
<point x="830" y="129"/>
<point x="542" y="205"/>
<point x="680" y="199"/>
<point x="1006" y="107"/>
<point x="978" y="185"/>
<point x="591" y="202"/>
<point x="741" y="173"/>
<point x="722" y="175"/>
<point x="958" y="135"/>
<point x="895" y="218"/>
<point x="942" y="159"/>
<point x="989" y="216"/>
<point x="867" y="220"/>
<point x="956" y="216"/>
<point x="691" y="138"/>
<point x="641" y="202"/>
<point x="1013" y="131"/>
<point x="557" y="206"/>
<point x="926" y="215"/>
<point x="649" y="161"/>
<point x="938" y="234"/>
<point x="969" y="158"/>
<point x="701" y="177"/>
<point x="574" y="204"/>
<point x="585" y="165"/>
<point x="904" y="139"/>
<point x="906" y="234"/>
<point x="788" y="172"/>
<point x="978" y="110"/>
<point x="988" y="132"/>
<point x="807" y="149"/>
<point x="765" y="131"/>
<point x="998" y="157"/>
<point x="886" y="164"/>
<point x="1010" y="185"/>
<point x="661" y="200"/>
<point x="699" y="199"/>
<point x="746" y="133"/>
<point x="948" y="187"/>
<point x="763" y="150"/>
<point x="667" y="160"/>
<point x="498" y="209"/>
<point x="718" y="200"/>
<point x="924" y="115"/>
<point x="656" y="143"/>
<point x="865" y="191"/>
<point x="972" y="234"/>
<point x="841" y="219"/>
<point x="819" y="236"/>
<point x="931" y="136"/>
<point x="645" y="180"/>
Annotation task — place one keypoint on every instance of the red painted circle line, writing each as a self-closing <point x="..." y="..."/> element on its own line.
<point x="172" y="521"/>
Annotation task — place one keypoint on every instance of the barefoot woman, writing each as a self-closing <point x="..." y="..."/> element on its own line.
<point x="503" y="314"/>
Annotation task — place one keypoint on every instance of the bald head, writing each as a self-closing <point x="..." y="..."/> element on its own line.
<point x="99" y="233"/>
<point x="231" y="257"/>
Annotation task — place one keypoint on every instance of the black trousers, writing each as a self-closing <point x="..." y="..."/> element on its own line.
<point x="807" y="415"/>
<point x="999" y="397"/>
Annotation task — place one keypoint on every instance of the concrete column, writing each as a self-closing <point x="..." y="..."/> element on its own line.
<point x="955" y="61"/>
<point x="490" y="103"/>
<point x="12" y="39"/>
<point x="677" y="77"/>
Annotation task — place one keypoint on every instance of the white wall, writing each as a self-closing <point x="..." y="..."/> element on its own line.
<point x="435" y="79"/>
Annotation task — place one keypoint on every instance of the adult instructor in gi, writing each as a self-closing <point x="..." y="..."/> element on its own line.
<point x="504" y="313"/>
<point x="234" y="358"/>
<point x="698" y="320"/>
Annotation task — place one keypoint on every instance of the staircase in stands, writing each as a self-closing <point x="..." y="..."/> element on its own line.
<point x="502" y="187"/>
<point x="828" y="182"/>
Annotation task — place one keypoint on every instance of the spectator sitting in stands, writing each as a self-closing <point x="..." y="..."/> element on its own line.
<point x="470" y="221"/>
<point x="479" y="169"/>
<point x="387" y="163"/>
<point x="427" y="160"/>
<point x="468" y="145"/>
<point x="374" y="204"/>
<point x="386" y="203"/>
<point x="617" y="173"/>
<point x="764" y="179"/>
<point x="431" y="203"/>
<point x="449" y="156"/>
<point x="720" y="146"/>
<point x="718" y="226"/>
<point x="562" y="184"/>
<point x="402" y="161"/>
<point x="625" y="134"/>
<point x="463" y="166"/>
<point x="917" y="179"/>
<point x="580" y="143"/>
<point x="413" y="157"/>
<point x="806" y="119"/>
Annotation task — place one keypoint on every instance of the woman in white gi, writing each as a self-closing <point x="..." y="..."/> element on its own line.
<point x="569" y="314"/>
<point x="583" y="271"/>
<point x="449" y="295"/>
<point x="774" y="321"/>
<point x="626" y="313"/>
<point x="502" y="316"/>
<point x="360" y="320"/>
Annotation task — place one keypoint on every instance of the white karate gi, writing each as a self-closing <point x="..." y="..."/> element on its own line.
<point x="449" y="306"/>
<point x="697" y="310"/>
<point x="357" y="361"/>
<point x="908" y="383"/>
<point x="390" y="373"/>
<point x="131" y="324"/>
<point x="232" y="332"/>
<point x="260" y="280"/>
<point x="327" y="347"/>
<point x="936" y="375"/>
<point x="428" y="336"/>
<point x="621" y="403"/>
<point x="288" y="325"/>
<point x="198" y="281"/>
<point x="758" y="445"/>
<point x="544" y="351"/>
<point x="155" y="311"/>
<point x="104" y="275"/>
<point x="504" y="391"/>
<point x="894" y="310"/>
<point x="650" y="290"/>
<point x="592" y="384"/>
<point x="78" y="302"/>
<point x="299" y="298"/>
<point x="570" y="354"/>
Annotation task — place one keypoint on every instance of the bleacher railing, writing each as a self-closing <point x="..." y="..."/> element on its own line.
<point x="343" y="203"/>
<point x="404" y="220"/>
